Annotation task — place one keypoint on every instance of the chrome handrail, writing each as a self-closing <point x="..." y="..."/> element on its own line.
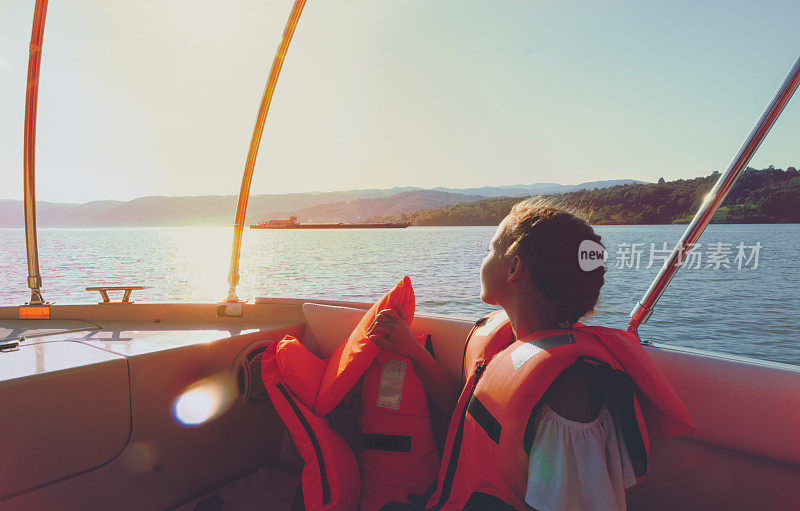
<point x="28" y="159"/>
<point x="644" y="308"/>
<point x="261" y="118"/>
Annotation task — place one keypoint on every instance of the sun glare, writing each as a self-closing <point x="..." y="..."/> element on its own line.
<point x="204" y="256"/>
<point x="201" y="402"/>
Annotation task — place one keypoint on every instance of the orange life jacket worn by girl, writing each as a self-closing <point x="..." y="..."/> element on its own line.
<point x="493" y="431"/>
<point x="507" y="445"/>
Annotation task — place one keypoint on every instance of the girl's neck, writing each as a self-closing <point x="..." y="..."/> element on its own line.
<point x="529" y="316"/>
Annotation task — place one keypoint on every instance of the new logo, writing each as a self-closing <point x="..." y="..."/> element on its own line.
<point x="591" y="255"/>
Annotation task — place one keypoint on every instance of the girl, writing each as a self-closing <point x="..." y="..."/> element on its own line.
<point x="531" y="271"/>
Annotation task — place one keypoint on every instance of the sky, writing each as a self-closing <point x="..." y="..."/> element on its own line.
<point x="158" y="97"/>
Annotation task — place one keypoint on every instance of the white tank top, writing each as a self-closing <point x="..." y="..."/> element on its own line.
<point x="578" y="465"/>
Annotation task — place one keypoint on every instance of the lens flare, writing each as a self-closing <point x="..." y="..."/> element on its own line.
<point x="201" y="402"/>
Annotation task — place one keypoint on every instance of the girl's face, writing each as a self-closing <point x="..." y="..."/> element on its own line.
<point x="494" y="270"/>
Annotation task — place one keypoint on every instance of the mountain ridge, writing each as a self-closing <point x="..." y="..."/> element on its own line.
<point x="759" y="196"/>
<point x="219" y="210"/>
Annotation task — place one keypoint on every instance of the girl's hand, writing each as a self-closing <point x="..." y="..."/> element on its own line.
<point x="391" y="331"/>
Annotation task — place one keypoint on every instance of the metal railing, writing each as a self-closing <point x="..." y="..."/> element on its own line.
<point x="644" y="308"/>
<point x="29" y="154"/>
<point x="261" y="119"/>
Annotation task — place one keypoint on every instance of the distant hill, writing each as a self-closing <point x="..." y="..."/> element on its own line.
<point x="339" y="206"/>
<point x="361" y="209"/>
<point x="406" y="202"/>
<point x="538" y="188"/>
<point x="158" y="211"/>
<point x="52" y="214"/>
<point x="759" y="196"/>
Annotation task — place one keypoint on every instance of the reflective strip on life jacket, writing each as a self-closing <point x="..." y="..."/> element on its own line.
<point x="398" y="455"/>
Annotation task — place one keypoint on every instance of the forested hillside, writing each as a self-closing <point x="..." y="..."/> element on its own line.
<point x="760" y="196"/>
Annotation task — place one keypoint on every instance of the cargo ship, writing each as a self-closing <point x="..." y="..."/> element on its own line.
<point x="292" y="223"/>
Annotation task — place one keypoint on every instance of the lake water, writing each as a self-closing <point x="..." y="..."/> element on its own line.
<point x="750" y="311"/>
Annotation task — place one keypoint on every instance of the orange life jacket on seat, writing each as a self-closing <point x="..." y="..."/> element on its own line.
<point x="490" y="437"/>
<point x="397" y="454"/>
<point x="330" y="472"/>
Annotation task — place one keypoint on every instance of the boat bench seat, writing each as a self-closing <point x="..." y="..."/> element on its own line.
<point x="265" y="490"/>
<point x="329" y="325"/>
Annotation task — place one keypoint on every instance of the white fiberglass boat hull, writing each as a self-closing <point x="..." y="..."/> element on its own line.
<point x="91" y="419"/>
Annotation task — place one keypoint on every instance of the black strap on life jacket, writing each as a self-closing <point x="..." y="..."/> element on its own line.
<point x="326" y="488"/>
<point x="380" y="442"/>
<point x="480" y="501"/>
<point x="429" y="346"/>
<point x="485" y="419"/>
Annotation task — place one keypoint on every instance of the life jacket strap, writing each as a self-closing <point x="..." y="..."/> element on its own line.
<point x="380" y="442"/>
<point x="485" y="419"/>
<point x="429" y="346"/>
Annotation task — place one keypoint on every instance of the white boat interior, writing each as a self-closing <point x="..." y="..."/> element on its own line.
<point x="160" y="406"/>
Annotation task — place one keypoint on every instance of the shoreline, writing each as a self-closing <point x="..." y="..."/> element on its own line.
<point x="217" y="226"/>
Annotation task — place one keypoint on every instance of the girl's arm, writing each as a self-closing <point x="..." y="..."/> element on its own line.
<point x="391" y="331"/>
<point x="441" y="388"/>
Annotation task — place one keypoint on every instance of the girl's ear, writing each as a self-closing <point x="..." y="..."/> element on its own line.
<point x="515" y="269"/>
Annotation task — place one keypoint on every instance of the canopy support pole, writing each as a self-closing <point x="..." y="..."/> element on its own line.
<point x="244" y="192"/>
<point x="29" y="168"/>
<point x="644" y="308"/>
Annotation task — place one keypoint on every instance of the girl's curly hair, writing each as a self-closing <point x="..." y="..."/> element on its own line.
<point x="546" y="238"/>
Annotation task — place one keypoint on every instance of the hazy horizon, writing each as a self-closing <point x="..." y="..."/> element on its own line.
<point x="155" y="99"/>
<point x="310" y="192"/>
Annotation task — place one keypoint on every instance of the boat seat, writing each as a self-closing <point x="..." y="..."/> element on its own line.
<point x="329" y="325"/>
<point x="265" y="490"/>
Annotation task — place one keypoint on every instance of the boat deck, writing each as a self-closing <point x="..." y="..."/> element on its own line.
<point x="96" y="396"/>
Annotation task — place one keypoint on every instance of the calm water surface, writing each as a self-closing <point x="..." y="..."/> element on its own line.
<point x="750" y="311"/>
